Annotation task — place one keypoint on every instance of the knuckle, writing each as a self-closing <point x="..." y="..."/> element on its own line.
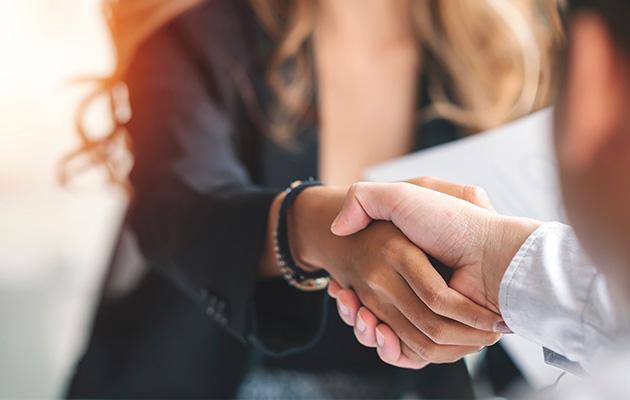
<point x="436" y="332"/>
<point x="392" y="248"/>
<point x="393" y="240"/>
<point x="436" y="300"/>
<point x="357" y="188"/>
<point x="429" y="352"/>
<point x="407" y="262"/>
<point x="475" y="320"/>
<point x="377" y="281"/>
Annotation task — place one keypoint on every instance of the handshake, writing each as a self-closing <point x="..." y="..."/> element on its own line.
<point x="388" y="290"/>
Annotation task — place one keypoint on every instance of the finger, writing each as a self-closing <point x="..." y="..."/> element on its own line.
<point x="422" y="346"/>
<point x="440" y="329"/>
<point x="418" y="212"/>
<point x="365" y="327"/>
<point x="427" y="284"/>
<point x="411" y="359"/>
<point x="471" y="193"/>
<point x="365" y="201"/>
<point x="347" y="305"/>
<point x="435" y="326"/>
<point x="391" y="352"/>
<point x="352" y="217"/>
<point x="333" y="288"/>
<point x="387" y="344"/>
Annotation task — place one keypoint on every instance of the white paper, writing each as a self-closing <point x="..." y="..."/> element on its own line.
<point x="516" y="166"/>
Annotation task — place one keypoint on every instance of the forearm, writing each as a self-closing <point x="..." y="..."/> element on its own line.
<point x="312" y="242"/>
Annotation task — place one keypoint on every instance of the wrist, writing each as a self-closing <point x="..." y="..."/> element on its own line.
<point x="309" y="225"/>
<point x="507" y="236"/>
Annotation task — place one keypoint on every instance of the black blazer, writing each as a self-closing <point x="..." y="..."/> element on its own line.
<point x="204" y="176"/>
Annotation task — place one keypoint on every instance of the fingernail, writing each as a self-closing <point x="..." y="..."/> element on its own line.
<point x="360" y="324"/>
<point x="380" y="339"/>
<point x="501" y="327"/>
<point x="344" y="310"/>
<point x="333" y="226"/>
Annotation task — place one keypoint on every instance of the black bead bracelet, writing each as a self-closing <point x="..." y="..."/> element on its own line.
<point x="296" y="276"/>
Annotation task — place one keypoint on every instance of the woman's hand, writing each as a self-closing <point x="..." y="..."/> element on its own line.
<point x="368" y="330"/>
<point x="394" y="279"/>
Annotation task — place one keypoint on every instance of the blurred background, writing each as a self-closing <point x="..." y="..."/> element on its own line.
<point x="56" y="241"/>
<point x="52" y="255"/>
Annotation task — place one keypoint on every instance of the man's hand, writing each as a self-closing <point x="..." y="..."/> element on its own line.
<point x="475" y="241"/>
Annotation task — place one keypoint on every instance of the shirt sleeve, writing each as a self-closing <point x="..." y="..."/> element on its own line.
<point x="196" y="211"/>
<point x="553" y="295"/>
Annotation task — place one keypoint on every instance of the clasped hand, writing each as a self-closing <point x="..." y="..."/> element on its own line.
<point x="406" y="310"/>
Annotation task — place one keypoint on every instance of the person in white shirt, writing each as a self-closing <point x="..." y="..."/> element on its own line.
<point x="535" y="275"/>
<point x="566" y="289"/>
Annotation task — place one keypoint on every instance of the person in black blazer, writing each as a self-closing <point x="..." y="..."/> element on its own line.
<point x="207" y="181"/>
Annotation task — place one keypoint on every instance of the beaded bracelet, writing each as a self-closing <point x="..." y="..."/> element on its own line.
<point x="294" y="275"/>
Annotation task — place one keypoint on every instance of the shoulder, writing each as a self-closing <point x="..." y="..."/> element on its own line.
<point x="211" y="42"/>
<point x="212" y="30"/>
<point x="219" y="30"/>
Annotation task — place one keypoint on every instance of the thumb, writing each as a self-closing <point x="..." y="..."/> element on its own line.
<point x="365" y="201"/>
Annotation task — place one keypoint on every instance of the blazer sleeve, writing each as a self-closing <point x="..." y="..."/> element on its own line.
<point x="197" y="215"/>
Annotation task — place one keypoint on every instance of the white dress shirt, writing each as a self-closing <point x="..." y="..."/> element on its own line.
<point x="553" y="295"/>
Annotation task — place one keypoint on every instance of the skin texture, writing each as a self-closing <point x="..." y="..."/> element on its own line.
<point x="460" y="234"/>
<point x="390" y="275"/>
<point x="475" y="241"/>
<point x="368" y="63"/>
<point x="593" y="151"/>
<point x="394" y="278"/>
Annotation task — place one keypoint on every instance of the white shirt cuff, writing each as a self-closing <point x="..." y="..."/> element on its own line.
<point x="545" y="291"/>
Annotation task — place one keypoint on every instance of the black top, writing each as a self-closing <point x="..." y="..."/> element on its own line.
<point x="204" y="177"/>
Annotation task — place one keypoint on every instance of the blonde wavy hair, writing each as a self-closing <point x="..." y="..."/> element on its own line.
<point x="489" y="61"/>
